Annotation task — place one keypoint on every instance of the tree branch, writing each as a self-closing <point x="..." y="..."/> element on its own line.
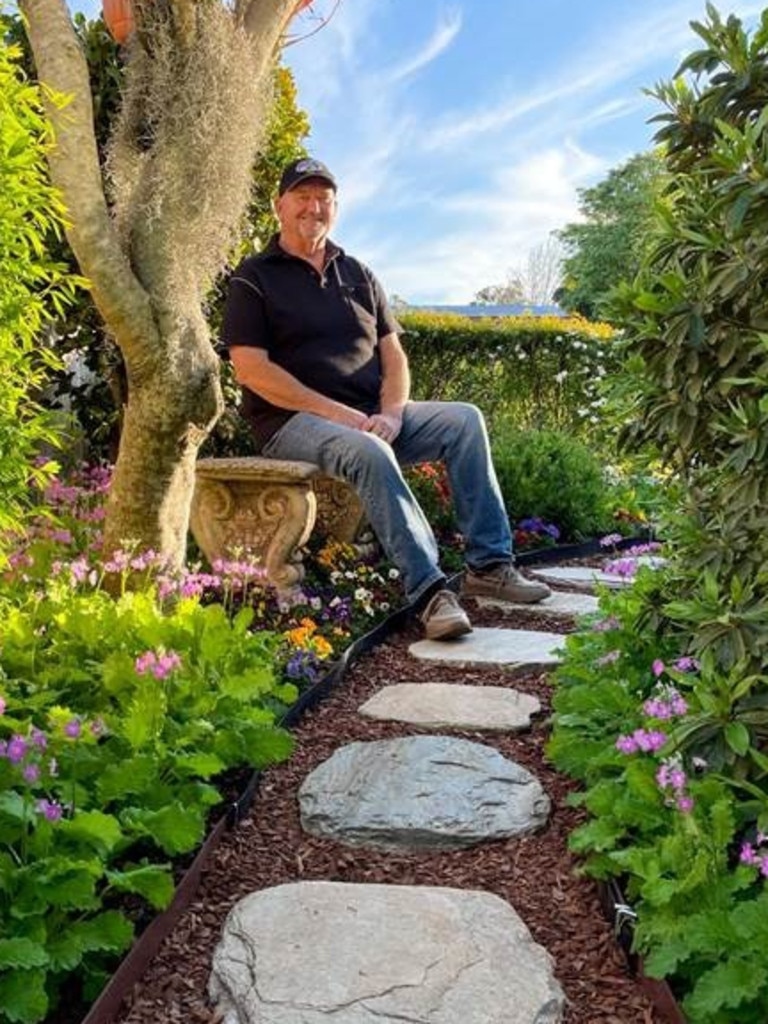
<point x="266" y="21"/>
<point x="75" y="170"/>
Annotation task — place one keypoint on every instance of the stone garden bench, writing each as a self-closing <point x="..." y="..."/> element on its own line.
<point x="267" y="508"/>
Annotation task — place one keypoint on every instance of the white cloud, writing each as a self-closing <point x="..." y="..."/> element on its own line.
<point x="445" y="32"/>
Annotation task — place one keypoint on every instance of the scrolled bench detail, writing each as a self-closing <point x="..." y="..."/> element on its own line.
<point x="267" y="508"/>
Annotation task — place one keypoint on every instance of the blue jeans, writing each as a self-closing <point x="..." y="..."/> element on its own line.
<point x="453" y="432"/>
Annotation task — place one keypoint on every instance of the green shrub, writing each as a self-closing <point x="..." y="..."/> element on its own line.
<point x="31" y="285"/>
<point x="537" y="372"/>
<point x="554" y="476"/>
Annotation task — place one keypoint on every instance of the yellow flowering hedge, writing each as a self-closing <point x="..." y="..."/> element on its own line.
<point x="536" y="372"/>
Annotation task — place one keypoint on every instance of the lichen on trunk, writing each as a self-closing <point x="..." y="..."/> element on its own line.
<point x="195" y="105"/>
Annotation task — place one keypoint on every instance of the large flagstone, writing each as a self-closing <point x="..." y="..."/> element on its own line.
<point x="322" y="952"/>
<point x="519" y="647"/>
<point x="582" y="576"/>
<point x="559" y="603"/>
<point x="420" y="793"/>
<point x="441" y="705"/>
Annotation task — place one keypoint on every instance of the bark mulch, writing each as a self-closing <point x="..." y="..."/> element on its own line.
<point x="535" y="874"/>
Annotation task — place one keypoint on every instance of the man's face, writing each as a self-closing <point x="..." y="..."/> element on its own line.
<point x="308" y="210"/>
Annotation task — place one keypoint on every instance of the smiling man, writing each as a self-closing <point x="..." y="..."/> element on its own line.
<point x="325" y="380"/>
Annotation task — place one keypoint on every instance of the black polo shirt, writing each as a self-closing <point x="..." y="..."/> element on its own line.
<point x="323" y="328"/>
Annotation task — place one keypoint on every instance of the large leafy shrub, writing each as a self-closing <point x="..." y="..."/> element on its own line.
<point x="554" y="476"/>
<point x="32" y="286"/>
<point x="683" y="815"/>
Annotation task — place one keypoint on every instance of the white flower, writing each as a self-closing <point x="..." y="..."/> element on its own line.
<point x="394" y="574"/>
<point x="560" y="377"/>
<point x="316" y="603"/>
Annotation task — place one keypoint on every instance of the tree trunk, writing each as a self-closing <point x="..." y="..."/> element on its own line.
<point x="181" y="176"/>
<point x="169" y="413"/>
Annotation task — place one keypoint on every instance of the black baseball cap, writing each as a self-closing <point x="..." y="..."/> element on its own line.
<point x="303" y="169"/>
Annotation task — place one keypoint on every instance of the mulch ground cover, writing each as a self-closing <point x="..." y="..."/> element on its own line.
<point x="535" y="874"/>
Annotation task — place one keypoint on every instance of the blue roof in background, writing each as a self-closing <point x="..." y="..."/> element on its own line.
<point x="515" y="309"/>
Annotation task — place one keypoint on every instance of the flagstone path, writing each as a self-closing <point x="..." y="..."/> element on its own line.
<point x="425" y="877"/>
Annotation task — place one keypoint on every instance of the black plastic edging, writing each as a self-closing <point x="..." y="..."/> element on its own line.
<point x="135" y="962"/>
<point x="563" y="552"/>
<point x="621" y="917"/>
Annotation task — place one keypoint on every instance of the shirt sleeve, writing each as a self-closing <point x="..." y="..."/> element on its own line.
<point x="244" y="321"/>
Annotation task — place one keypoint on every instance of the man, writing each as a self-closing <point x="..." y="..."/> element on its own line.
<point x="325" y="380"/>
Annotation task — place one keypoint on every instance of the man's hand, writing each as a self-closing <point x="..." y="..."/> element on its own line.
<point x="385" y="425"/>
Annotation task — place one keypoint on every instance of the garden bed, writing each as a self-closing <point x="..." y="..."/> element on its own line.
<point x="536" y="874"/>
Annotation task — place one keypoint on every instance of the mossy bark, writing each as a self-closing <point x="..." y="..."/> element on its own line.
<point x="147" y="287"/>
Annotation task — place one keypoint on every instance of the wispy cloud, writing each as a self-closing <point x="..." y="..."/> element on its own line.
<point x="445" y="32"/>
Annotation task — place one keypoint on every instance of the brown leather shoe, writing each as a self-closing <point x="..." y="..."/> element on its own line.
<point x="503" y="583"/>
<point x="444" y="618"/>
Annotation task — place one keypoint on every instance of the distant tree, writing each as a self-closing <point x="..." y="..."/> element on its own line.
<point x="543" y="272"/>
<point x="397" y="303"/>
<point x="607" y="246"/>
<point x="509" y="292"/>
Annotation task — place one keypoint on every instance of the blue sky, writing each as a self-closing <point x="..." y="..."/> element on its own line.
<point x="460" y="132"/>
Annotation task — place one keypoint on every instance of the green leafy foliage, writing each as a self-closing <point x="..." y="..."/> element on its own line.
<point x="605" y="247"/>
<point x="555" y="476"/>
<point x="33" y="286"/>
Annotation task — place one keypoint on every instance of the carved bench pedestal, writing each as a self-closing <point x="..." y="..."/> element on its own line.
<point x="267" y="508"/>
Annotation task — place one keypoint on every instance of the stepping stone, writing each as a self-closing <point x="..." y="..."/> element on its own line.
<point x="316" y="952"/>
<point x="582" y="577"/>
<point x="420" y="793"/>
<point x="517" y="647"/>
<point x="559" y="603"/>
<point x="441" y="705"/>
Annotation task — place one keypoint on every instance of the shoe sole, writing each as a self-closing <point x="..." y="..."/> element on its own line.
<point x="510" y="600"/>
<point x="450" y="631"/>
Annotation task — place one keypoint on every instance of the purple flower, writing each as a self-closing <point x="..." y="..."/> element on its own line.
<point x="610" y="540"/>
<point x="38" y="738"/>
<point x="31" y="773"/>
<point x="649" y="741"/>
<point x="16" y="749"/>
<point x="687" y="664"/>
<point x="685" y="806"/>
<point x="50" y="809"/>
<point x="73" y="729"/>
<point x="627" y="745"/>
<point x="626" y="567"/>
<point x="658" y="667"/>
<point x="3" y="706"/>
<point x="748" y="855"/>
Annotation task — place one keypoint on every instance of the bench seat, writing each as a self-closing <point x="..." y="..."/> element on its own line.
<point x="267" y="509"/>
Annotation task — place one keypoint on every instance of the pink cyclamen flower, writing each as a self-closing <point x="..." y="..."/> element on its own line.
<point x="50" y="809"/>
<point x="649" y="741"/>
<point x="144" y="662"/>
<point x="748" y="855"/>
<point x="658" y="667"/>
<point x="657" y="708"/>
<point x="685" y="805"/>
